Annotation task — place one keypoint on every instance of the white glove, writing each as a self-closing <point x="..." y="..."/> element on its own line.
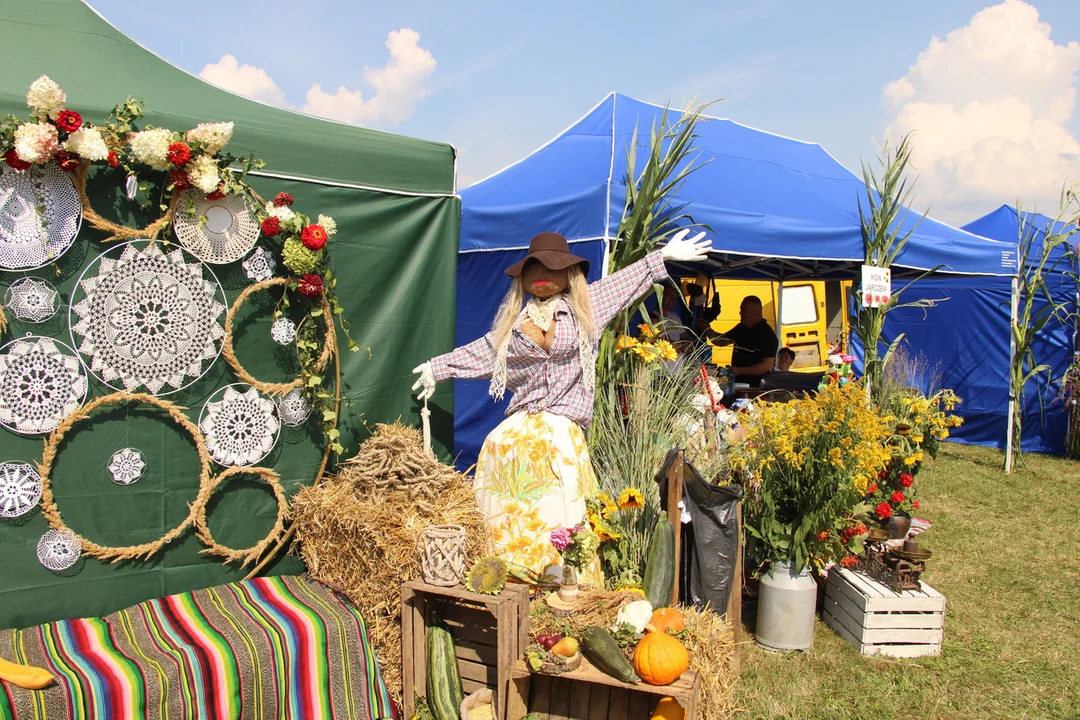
<point x="426" y="381"/>
<point x="681" y="249"/>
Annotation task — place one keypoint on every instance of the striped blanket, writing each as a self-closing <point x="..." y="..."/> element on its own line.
<point x="276" y="647"/>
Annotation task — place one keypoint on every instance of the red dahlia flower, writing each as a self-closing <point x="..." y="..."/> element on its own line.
<point x="114" y="159"/>
<point x="310" y="285"/>
<point x="872" y="489"/>
<point x="282" y="199"/>
<point x="313" y="237"/>
<point x="881" y="475"/>
<point x="179" y="154"/>
<point x="906" y="480"/>
<point x="67" y="161"/>
<point x="69" y="121"/>
<point x="916" y="504"/>
<point x="14" y="161"/>
<point x="884" y="510"/>
<point x="271" y="226"/>
<point x="897" y="497"/>
<point x="217" y="194"/>
<point x="179" y="180"/>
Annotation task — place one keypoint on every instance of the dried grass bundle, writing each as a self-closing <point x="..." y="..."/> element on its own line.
<point x="711" y="643"/>
<point x="360" y="531"/>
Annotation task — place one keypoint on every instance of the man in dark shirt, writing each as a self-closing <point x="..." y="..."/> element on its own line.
<point x="755" y="343"/>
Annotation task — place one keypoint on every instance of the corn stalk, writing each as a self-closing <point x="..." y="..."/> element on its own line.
<point x="881" y="220"/>
<point x="1036" y="307"/>
<point x="650" y="215"/>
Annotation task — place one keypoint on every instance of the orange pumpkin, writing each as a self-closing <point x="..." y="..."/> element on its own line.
<point x="668" y="619"/>
<point x="660" y="659"/>
<point x="668" y="709"/>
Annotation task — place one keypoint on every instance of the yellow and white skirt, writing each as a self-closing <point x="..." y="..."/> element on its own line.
<point x="533" y="476"/>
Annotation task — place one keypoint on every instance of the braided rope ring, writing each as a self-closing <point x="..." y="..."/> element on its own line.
<point x="202" y="530"/>
<point x="274" y="389"/>
<point x="130" y="552"/>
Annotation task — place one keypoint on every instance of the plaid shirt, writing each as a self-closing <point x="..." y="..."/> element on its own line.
<point x="551" y="380"/>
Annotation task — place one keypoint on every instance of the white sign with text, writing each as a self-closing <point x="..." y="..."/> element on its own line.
<point x="876" y="286"/>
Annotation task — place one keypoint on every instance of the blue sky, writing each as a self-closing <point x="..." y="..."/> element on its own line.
<point x="508" y="76"/>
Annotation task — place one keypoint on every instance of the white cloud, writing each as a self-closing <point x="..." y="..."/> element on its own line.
<point x="397" y="87"/>
<point x="246" y="80"/>
<point x="990" y="107"/>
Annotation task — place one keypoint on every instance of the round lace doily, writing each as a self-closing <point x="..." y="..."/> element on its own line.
<point x="59" y="549"/>
<point x="41" y="383"/>
<point x="241" y="427"/>
<point x="215" y="231"/>
<point x="259" y="265"/>
<point x="283" y="331"/>
<point x="150" y="318"/>
<point x="20" y="489"/>
<point x="127" y="466"/>
<point x="40" y="215"/>
<point x="293" y="408"/>
<point x="32" y="299"/>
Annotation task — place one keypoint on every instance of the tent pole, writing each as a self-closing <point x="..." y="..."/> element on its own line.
<point x="1014" y="311"/>
<point x="780" y="311"/>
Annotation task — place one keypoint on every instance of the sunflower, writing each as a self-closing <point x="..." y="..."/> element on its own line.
<point x="667" y="350"/>
<point x="631" y="499"/>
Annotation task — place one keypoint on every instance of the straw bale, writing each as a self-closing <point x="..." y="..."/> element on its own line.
<point x="360" y="531"/>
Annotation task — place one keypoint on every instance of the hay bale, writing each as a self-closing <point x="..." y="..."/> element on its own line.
<point x="360" y="530"/>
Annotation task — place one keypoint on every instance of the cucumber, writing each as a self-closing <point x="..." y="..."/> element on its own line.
<point x="600" y="647"/>
<point x="659" y="584"/>
<point x="444" y="693"/>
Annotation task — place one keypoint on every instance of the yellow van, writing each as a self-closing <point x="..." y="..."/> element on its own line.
<point x="813" y="315"/>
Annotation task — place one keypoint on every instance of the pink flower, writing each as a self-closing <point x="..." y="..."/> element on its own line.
<point x="847" y="358"/>
<point x="560" y="538"/>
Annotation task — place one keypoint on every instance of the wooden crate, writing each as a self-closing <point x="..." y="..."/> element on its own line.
<point x="880" y="621"/>
<point x="490" y="633"/>
<point x="589" y="694"/>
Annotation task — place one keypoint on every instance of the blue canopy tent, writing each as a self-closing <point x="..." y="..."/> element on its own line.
<point x="776" y="208"/>
<point x="956" y="335"/>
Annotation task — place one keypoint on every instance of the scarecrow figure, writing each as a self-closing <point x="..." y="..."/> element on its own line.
<point x="534" y="474"/>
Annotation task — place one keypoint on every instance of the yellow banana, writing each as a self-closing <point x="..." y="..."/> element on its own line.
<point x="25" y="676"/>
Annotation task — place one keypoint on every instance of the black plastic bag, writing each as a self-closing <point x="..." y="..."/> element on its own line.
<point x="710" y="541"/>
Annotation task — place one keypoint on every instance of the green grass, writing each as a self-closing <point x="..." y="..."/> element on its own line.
<point x="1007" y="558"/>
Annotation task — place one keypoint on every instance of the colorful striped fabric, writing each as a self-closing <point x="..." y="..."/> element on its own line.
<point x="276" y="647"/>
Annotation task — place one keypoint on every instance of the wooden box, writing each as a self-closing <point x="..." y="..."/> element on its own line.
<point x="589" y="694"/>
<point x="490" y="632"/>
<point x="880" y="621"/>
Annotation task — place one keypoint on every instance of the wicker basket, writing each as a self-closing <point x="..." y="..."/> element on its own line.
<point x="443" y="557"/>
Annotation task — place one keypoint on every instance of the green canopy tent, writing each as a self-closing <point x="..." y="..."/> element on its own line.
<point x="395" y="255"/>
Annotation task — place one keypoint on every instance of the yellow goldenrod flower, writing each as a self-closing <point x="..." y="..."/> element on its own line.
<point x="631" y="499"/>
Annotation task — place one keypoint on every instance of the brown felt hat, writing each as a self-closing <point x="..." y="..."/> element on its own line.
<point x="553" y="252"/>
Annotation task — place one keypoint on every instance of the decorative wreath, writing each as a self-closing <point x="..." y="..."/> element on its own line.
<point x="130" y="552"/>
<point x="275" y="389"/>
<point x="202" y="530"/>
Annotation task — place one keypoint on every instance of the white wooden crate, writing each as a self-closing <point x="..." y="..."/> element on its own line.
<point x="880" y="621"/>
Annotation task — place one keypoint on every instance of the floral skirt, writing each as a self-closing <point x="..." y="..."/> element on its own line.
<point x="533" y="476"/>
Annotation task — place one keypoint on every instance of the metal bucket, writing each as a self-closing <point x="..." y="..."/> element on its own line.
<point x="787" y="603"/>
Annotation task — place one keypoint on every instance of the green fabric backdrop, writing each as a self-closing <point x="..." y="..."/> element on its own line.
<point x="394" y="253"/>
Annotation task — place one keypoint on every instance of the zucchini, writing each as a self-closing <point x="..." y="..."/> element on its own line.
<point x="660" y="565"/>
<point x="444" y="693"/>
<point x="600" y="647"/>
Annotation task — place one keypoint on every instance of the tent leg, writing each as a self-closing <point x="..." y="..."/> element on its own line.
<point x="1010" y="422"/>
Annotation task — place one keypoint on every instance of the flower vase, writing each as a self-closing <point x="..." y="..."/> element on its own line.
<point x="568" y="587"/>
<point x="897" y="526"/>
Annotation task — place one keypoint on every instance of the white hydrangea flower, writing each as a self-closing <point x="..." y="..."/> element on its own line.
<point x="214" y="136"/>
<point x="36" y="142"/>
<point x="87" y="143"/>
<point x="203" y="174"/>
<point x="283" y="213"/>
<point x="152" y="147"/>
<point x="45" y="98"/>
<point x="327" y="223"/>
